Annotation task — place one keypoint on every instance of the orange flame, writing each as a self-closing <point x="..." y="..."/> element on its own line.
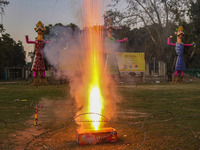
<point x="92" y="14"/>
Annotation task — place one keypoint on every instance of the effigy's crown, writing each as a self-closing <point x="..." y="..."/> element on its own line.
<point x="39" y="24"/>
<point x="180" y="28"/>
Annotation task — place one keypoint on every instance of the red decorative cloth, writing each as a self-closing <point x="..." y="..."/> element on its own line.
<point x="38" y="64"/>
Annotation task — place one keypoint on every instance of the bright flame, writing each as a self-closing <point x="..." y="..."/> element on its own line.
<point x="92" y="15"/>
<point x="95" y="68"/>
<point x="95" y="106"/>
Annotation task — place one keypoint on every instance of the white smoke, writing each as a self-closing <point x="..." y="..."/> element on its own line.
<point x="67" y="55"/>
<point x="64" y="50"/>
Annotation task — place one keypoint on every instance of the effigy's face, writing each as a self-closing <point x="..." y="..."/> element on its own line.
<point x="40" y="29"/>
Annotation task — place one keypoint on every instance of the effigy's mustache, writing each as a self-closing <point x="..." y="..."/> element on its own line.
<point x="39" y="30"/>
<point x="180" y="34"/>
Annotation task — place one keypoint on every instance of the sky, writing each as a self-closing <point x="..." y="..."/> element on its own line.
<point x="21" y="16"/>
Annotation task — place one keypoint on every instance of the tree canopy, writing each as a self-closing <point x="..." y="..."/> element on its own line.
<point x="151" y="22"/>
<point x="12" y="53"/>
<point x="3" y="3"/>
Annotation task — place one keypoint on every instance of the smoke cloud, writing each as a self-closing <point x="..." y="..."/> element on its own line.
<point x="71" y="54"/>
<point x="68" y="55"/>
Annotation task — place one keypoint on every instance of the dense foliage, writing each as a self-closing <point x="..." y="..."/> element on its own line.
<point x="12" y="53"/>
<point x="149" y="23"/>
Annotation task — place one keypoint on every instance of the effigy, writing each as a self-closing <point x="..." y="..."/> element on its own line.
<point x="38" y="66"/>
<point x="111" y="47"/>
<point x="180" y="63"/>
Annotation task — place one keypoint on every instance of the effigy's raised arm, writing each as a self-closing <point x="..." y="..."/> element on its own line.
<point x="29" y="42"/>
<point x="193" y="44"/>
<point x="123" y="40"/>
<point x="168" y="42"/>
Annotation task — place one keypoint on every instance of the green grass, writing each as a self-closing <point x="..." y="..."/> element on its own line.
<point x="19" y="112"/>
<point x="173" y="113"/>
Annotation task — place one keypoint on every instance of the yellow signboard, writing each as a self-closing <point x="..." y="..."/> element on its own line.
<point x="130" y="62"/>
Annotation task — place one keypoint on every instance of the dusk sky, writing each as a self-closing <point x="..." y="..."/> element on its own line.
<point x="21" y="16"/>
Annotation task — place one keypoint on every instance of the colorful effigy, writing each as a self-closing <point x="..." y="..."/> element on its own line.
<point x="108" y="26"/>
<point x="179" y="47"/>
<point x="38" y="66"/>
<point x="111" y="61"/>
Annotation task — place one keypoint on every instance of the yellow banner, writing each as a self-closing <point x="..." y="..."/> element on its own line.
<point x="130" y="62"/>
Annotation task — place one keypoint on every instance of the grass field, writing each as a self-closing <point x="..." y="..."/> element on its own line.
<point x="154" y="116"/>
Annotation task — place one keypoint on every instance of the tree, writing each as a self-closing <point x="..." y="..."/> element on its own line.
<point x="194" y="57"/>
<point x="149" y="12"/>
<point x="52" y="32"/>
<point x="195" y="15"/>
<point x="2" y="30"/>
<point x="3" y="3"/>
<point x="73" y="26"/>
<point x="158" y="17"/>
<point x="12" y="53"/>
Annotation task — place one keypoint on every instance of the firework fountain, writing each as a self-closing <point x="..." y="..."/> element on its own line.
<point x="95" y="80"/>
<point x="90" y="82"/>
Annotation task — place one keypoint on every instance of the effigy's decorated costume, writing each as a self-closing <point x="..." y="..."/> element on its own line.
<point x="38" y="66"/>
<point x="179" y="47"/>
<point x="180" y="63"/>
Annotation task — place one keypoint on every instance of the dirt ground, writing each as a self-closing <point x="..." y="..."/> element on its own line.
<point x="57" y="130"/>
